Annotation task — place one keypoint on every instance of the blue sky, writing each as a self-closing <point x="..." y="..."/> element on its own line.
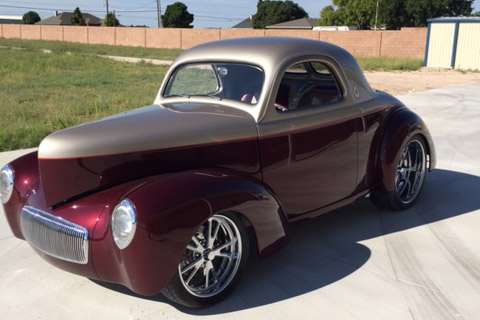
<point x="208" y="14"/>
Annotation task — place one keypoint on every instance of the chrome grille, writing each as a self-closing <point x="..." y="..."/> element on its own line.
<point x="55" y="236"/>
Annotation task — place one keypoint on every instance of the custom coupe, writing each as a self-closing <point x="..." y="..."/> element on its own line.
<point x="245" y="137"/>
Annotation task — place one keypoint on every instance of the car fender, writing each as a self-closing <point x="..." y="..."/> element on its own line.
<point x="170" y="209"/>
<point x="401" y="127"/>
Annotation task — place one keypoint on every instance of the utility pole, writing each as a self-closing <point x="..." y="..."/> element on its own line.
<point x="106" y="4"/>
<point x="376" y="17"/>
<point x="159" y="14"/>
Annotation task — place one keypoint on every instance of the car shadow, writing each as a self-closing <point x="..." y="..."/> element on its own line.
<point x="327" y="249"/>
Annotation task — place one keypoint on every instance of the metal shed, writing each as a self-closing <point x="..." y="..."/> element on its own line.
<point x="453" y="43"/>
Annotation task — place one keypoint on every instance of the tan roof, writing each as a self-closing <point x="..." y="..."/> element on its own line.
<point x="63" y="19"/>
<point x="302" y="23"/>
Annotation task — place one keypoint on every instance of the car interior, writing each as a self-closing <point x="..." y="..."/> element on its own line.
<point x="307" y="84"/>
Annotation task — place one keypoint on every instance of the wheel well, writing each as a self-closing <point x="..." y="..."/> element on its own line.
<point x="250" y="232"/>
<point x="428" y="151"/>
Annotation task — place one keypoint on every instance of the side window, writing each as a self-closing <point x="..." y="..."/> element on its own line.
<point x="307" y="84"/>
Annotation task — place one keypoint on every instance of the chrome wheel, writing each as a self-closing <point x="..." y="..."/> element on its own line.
<point x="212" y="257"/>
<point x="411" y="171"/>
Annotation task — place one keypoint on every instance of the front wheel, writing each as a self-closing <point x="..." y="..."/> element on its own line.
<point x="212" y="263"/>
<point x="409" y="177"/>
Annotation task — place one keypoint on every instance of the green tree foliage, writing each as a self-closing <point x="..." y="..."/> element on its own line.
<point x="273" y="12"/>
<point x="31" y="17"/>
<point x="177" y="16"/>
<point x="77" y="19"/>
<point x="360" y="13"/>
<point x="393" y="13"/>
<point x="111" y="20"/>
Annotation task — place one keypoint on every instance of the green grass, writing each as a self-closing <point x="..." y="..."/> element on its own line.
<point x="94" y="49"/>
<point x="42" y="93"/>
<point x="389" y="64"/>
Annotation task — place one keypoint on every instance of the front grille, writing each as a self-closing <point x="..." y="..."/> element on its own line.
<point x="55" y="236"/>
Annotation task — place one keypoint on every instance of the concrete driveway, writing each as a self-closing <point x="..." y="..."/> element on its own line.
<point x="360" y="262"/>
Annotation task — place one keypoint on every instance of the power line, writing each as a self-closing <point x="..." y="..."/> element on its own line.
<point x="120" y="11"/>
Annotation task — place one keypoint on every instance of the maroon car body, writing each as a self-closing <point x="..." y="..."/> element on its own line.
<point x="186" y="158"/>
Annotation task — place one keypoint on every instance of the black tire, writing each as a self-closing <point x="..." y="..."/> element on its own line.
<point x="203" y="257"/>
<point x="405" y="177"/>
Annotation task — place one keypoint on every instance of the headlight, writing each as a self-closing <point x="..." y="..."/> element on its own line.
<point x="124" y="223"/>
<point x="6" y="183"/>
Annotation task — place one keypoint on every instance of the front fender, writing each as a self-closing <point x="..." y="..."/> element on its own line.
<point x="171" y="208"/>
<point x="401" y="127"/>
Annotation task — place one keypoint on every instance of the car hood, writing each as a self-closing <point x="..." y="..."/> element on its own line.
<point x="149" y="128"/>
<point x="135" y="144"/>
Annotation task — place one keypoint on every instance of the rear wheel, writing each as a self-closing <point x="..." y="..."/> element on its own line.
<point x="212" y="263"/>
<point x="409" y="177"/>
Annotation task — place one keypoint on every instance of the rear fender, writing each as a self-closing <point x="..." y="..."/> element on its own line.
<point x="401" y="127"/>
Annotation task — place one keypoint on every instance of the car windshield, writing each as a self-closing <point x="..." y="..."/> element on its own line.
<point x="231" y="81"/>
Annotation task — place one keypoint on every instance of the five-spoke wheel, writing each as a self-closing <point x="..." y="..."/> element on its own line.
<point x="211" y="263"/>
<point x="411" y="170"/>
<point x="409" y="177"/>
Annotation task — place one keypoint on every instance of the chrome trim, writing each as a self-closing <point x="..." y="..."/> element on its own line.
<point x="7" y="190"/>
<point x="55" y="236"/>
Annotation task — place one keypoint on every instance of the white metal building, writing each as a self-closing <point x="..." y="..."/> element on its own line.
<point x="453" y="43"/>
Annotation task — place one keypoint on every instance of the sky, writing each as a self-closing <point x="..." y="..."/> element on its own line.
<point x="208" y="14"/>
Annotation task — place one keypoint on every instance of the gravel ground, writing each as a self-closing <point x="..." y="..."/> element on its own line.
<point x="403" y="82"/>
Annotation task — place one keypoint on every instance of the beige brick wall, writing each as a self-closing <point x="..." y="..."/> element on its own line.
<point x="11" y="31"/>
<point x="308" y="34"/>
<point x="31" y="32"/>
<point x="132" y="37"/>
<point x="406" y="43"/>
<point x="238" y="33"/>
<point x="164" y="38"/>
<point x="75" y="34"/>
<point x="52" y="33"/>
<point x="358" y="43"/>
<point x="409" y="42"/>
<point x="101" y="35"/>
<point x="193" y="37"/>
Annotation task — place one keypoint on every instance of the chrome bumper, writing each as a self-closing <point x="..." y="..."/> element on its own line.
<point x="55" y="236"/>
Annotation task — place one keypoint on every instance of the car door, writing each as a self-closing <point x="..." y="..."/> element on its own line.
<point x="308" y="138"/>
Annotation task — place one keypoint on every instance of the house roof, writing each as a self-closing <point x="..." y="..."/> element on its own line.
<point x="302" y="23"/>
<point x="63" y="19"/>
<point x="245" y="24"/>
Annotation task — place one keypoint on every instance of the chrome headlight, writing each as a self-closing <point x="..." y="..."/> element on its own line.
<point x="124" y="223"/>
<point x="6" y="183"/>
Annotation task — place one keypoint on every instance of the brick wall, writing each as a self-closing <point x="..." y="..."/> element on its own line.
<point x="406" y="43"/>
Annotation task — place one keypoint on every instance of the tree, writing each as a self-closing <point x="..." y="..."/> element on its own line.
<point x="77" y="19"/>
<point x="111" y="20"/>
<point x="273" y="12"/>
<point x="360" y="13"/>
<point x="393" y="13"/>
<point x="177" y="16"/>
<point x="328" y="17"/>
<point x="31" y="17"/>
